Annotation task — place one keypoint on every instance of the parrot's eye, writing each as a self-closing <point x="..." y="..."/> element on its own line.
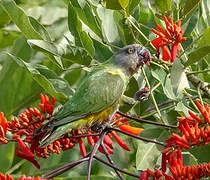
<point x="130" y="50"/>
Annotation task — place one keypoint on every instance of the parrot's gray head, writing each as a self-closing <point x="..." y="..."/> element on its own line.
<point x="131" y="57"/>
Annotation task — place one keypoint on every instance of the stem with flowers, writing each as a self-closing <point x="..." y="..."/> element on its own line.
<point x="148" y="139"/>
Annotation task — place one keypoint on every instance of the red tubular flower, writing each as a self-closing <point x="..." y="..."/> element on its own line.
<point x="172" y="36"/>
<point x="82" y="148"/>
<point x="3" y="128"/>
<point x="23" y="177"/>
<point x="25" y="152"/>
<point x="120" y="141"/>
<point x="143" y="175"/>
<point x="193" y="130"/>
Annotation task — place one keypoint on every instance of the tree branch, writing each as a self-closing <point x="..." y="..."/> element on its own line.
<point x="146" y="121"/>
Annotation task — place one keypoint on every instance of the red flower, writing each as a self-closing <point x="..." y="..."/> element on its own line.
<point x="172" y="36"/>
<point x="192" y="129"/>
<point x="23" y="177"/>
<point x="3" y="128"/>
<point x="25" y="152"/>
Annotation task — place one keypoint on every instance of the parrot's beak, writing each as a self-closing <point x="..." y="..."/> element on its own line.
<point x="144" y="56"/>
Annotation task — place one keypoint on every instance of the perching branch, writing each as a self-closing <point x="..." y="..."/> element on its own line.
<point x="146" y="121"/>
<point x="111" y="161"/>
<point x="138" y="137"/>
<point x="199" y="83"/>
<point x="62" y="169"/>
<point x="116" y="168"/>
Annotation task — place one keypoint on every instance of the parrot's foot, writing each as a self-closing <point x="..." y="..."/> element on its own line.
<point x="142" y="94"/>
<point x="101" y="127"/>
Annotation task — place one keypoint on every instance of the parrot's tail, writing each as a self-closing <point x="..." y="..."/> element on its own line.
<point x="44" y="131"/>
<point x="49" y="132"/>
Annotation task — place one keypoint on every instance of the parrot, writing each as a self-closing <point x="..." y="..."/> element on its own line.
<point x="97" y="95"/>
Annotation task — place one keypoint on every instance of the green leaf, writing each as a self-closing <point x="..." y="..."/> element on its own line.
<point x="18" y="89"/>
<point x="205" y="40"/>
<point x="190" y="6"/>
<point x="7" y="156"/>
<point x="168" y="89"/>
<point x="7" y="38"/>
<point x="178" y="78"/>
<point x="102" y="51"/>
<point x="123" y="3"/>
<point x="4" y="20"/>
<point x="200" y="152"/>
<point x="40" y="28"/>
<point x="74" y="24"/>
<point x="70" y="53"/>
<point x="197" y="55"/>
<point x="47" y="79"/>
<point x="85" y="13"/>
<point x="148" y="153"/>
<point x="189" y="159"/>
<point x="123" y="28"/>
<point x="87" y="43"/>
<point x="109" y="26"/>
<point x="132" y="5"/>
<point x="182" y="109"/>
<point x="20" y="19"/>
<point x="192" y="22"/>
<point x="202" y="50"/>
<point x="163" y="5"/>
<point x="111" y="4"/>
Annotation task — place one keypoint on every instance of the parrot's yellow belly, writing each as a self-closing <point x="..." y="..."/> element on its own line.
<point x="95" y="118"/>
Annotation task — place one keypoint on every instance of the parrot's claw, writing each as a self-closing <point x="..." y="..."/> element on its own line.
<point x="142" y="94"/>
<point x="102" y="127"/>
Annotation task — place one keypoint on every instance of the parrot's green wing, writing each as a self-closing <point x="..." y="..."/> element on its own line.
<point x="101" y="89"/>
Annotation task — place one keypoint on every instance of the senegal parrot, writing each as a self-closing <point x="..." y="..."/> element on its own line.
<point x="97" y="95"/>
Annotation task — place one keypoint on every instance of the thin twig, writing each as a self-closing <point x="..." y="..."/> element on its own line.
<point x="99" y="141"/>
<point x="152" y="95"/>
<point x="93" y="151"/>
<point x="62" y="169"/>
<point x="16" y="166"/>
<point x="85" y="135"/>
<point x="138" y="137"/>
<point x="114" y="167"/>
<point x="146" y="121"/>
<point x="111" y="161"/>
<point x="159" y="105"/>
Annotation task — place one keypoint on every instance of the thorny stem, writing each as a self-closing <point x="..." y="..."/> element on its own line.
<point x="138" y="137"/>
<point x="146" y="121"/>
<point x="111" y="161"/>
<point x="62" y="169"/>
<point x="152" y="95"/>
<point x="116" y="168"/>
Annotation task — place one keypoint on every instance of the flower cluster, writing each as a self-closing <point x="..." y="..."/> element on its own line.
<point x="23" y="177"/>
<point x="24" y="126"/>
<point x="195" y="132"/>
<point x="91" y="136"/>
<point x="170" y="38"/>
